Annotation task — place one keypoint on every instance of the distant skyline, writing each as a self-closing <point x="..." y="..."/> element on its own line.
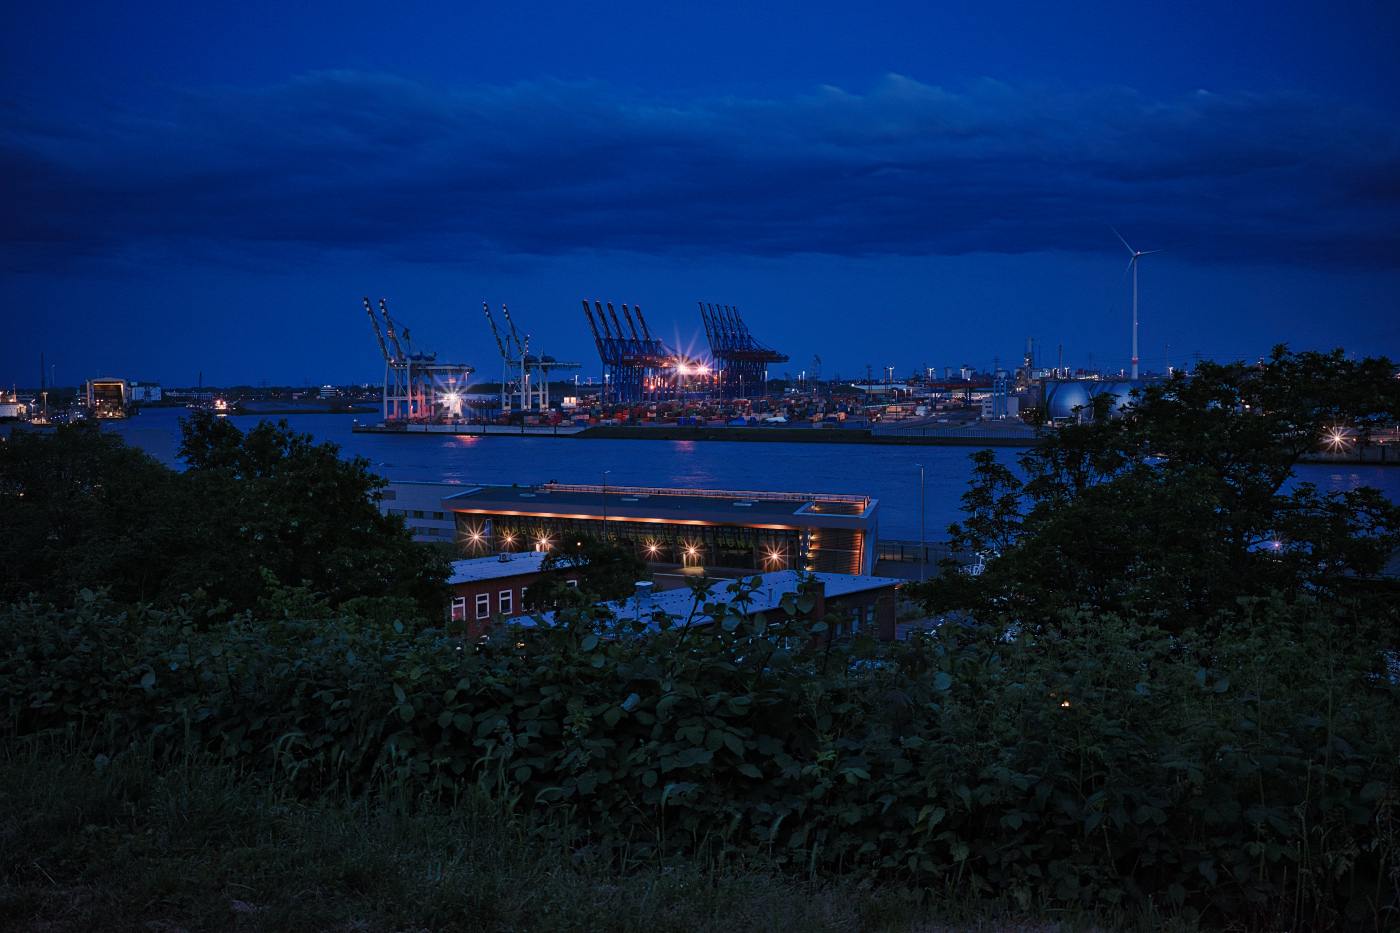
<point x="214" y="188"/>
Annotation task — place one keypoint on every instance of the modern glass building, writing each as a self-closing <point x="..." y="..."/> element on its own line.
<point x="758" y="531"/>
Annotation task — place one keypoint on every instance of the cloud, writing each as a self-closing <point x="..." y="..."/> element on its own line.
<point x="369" y="162"/>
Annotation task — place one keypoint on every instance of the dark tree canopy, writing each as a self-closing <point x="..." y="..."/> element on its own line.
<point x="1185" y="503"/>
<point x="79" y="509"/>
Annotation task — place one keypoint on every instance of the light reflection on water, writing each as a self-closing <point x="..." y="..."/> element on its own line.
<point x="889" y="474"/>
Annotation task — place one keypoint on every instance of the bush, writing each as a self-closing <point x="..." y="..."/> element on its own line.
<point x="1249" y="779"/>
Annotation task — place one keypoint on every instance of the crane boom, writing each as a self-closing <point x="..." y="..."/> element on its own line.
<point x="398" y="350"/>
<point x="495" y="333"/>
<point x="642" y="321"/>
<point x="592" y="326"/>
<point x="630" y="326"/>
<point x="518" y="344"/>
<point x="620" y="332"/>
<point x="384" y="348"/>
<point x="604" y="320"/>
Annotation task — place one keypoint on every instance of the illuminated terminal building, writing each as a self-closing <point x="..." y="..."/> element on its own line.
<point x="711" y="528"/>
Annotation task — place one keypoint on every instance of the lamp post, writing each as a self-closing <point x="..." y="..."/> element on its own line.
<point x="605" y="505"/>
<point x="923" y="551"/>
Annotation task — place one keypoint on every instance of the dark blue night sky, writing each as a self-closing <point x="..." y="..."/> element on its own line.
<point x="212" y="187"/>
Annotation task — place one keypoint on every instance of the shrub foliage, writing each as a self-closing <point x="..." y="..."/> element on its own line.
<point x="1250" y="778"/>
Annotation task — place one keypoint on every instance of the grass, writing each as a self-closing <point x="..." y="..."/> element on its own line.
<point x="132" y="846"/>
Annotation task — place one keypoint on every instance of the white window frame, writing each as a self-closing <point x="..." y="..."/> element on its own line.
<point x="459" y="609"/>
<point x="483" y="605"/>
<point x="505" y="602"/>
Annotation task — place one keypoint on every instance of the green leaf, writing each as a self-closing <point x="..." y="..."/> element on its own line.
<point x="942" y="681"/>
<point x="933" y="813"/>
<point x="148" y="679"/>
<point x="695" y="756"/>
<point x="749" y="769"/>
<point x="589" y="642"/>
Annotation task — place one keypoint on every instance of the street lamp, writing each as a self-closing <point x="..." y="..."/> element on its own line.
<point x="923" y="551"/>
<point x="605" y="505"/>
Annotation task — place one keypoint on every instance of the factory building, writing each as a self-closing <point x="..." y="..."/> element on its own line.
<point x="686" y="528"/>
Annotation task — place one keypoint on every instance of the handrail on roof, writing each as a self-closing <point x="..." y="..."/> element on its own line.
<point x="710" y="493"/>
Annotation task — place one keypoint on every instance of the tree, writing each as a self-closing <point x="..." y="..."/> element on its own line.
<point x="1185" y="503"/>
<point x="605" y="572"/>
<point x="281" y="503"/>
<point x="81" y="510"/>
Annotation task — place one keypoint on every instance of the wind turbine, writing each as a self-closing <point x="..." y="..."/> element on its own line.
<point x="1132" y="265"/>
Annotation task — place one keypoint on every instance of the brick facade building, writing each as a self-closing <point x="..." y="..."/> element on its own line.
<point x="488" y="588"/>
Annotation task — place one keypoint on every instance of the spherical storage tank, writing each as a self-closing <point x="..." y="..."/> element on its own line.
<point x="1062" y="396"/>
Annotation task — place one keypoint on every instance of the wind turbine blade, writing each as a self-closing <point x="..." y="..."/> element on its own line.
<point x="1167" y="250"/>
<point x="1120" y="238"/>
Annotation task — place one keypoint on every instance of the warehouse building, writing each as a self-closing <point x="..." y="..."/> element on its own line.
<point x="691" y="529"/>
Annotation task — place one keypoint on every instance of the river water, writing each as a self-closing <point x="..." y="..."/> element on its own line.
<point x="887" y="473"/>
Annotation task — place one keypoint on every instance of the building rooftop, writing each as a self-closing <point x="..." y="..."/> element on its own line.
<point x="671" y="505"/>
<point x="491" y="568"/>
<point x="769" y="596"/>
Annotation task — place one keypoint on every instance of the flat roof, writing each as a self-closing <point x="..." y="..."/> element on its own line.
<point x="491" y="568"/>
<point x="694" y="506"/>
<point x="769" y="595"/>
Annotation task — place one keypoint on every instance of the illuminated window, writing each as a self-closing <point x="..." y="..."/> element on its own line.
<point x="483" y="606"/>
<point x="459" y="609"/>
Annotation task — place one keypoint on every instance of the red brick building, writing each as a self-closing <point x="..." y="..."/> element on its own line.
<point x="487" y="588"/>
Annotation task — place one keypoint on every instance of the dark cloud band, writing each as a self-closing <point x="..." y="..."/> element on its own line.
<point x="378" y="163"/>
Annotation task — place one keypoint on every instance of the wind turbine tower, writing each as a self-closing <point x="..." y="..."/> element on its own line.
<point x="1133" y="267"/>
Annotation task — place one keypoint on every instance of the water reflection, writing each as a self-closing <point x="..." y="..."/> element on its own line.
<point x="886" y="473"/>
